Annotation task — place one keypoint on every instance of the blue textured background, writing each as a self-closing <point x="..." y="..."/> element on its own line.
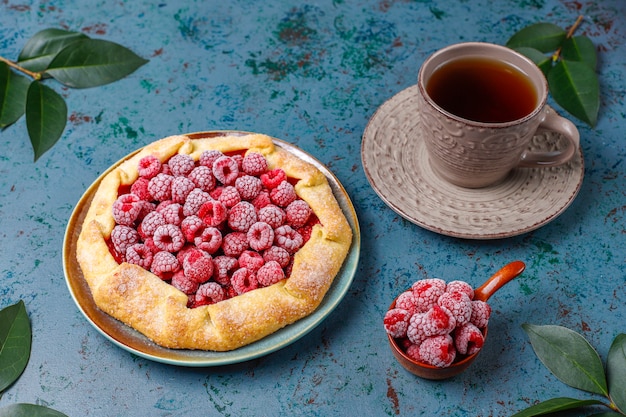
<point x="311" y="73"/>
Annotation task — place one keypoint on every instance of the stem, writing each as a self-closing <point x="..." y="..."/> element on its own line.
<point x="33" y="75"/>
<point x="570" y="33"/>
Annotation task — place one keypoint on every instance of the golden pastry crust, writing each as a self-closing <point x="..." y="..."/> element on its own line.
<point x="158" y="310"/>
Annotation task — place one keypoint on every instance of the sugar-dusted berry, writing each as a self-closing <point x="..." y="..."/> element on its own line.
<point x="164" y="265"/>
<point x="283" y="194"/>
<point x="272" y="178"/>
<point x="460" y="286"/>
<point x="251" y="260"/>
<point x="192" y="226"/>
<point x="248" y="187"/>
<point x="202" y="177"/>
<point x="172" y="213"/>
<point x="481" y="311"/>
<point x="209" y="240"/>
<point x="438" y="351"/>
<point x="140" y="189"/>
<point x="272" y="215"/>
<point x="181" y="164"/>
<point x="234" y="244"/>
<point x="413" y="352"/>
<point x="396" y="322"/>
<point x="439" y="320"/>
<point x="213" y="213"/>
<point x="139" y="254"/>
<point x="227" y="195"/>
<point x="150" y="223"/>
<point x="406" y="301"/>
<point x="226" y="170"/>
<point x="278" y="254"/>
<point x="244" y="280"/>
<point x="198" y="266"/>
<point x="468" y="339"/>
<point x="260" y="236"/>
<point x="209" y="293"/>
<point x="168" y="238"/>
<point x="416" y="332"/>
<point x="298" y="213"/>
<point x="207" y="158"/>
<point x="288" y="239"/>
<point x="181" y="187"/>
<point x="270" y="273"/>
<point x="160" y="187"/>
<point x="254" y="164"/>
<point x="181" y="281"/>
<point x="459" y="304"/>
<point x="149" y="166"/>
<point x="195" y="199"/>
<point x="242" y="216"/>
<point x="223" y="268"/>
<point x="427" y="292"/>
<point x="126" y="209"/>
<point x="123" y="237"/>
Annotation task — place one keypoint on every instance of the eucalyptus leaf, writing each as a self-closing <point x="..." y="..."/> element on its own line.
<point x="543" y="61"/>
<point x="554" y="405"/>
<point x="40" y="50"/>
<point x="15" y="343"/>
<point x="93" y="62"/>
<point x="13" y="88"/>
<point x="568" y="356"/>
<point x="46" y="116"/>
<point x="580" y="48"/>
<point x="616" y="372"/>
<point x="29" y="410"/>
<point x="545" y="37"/>
<point x="575" y="87"/>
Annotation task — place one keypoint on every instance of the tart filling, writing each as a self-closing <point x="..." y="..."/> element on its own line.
<point x="165" y="279"/>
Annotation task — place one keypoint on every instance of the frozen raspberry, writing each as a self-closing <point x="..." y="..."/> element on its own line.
<point x="243" y="281"/>
<point x="228" y="195"/>
<point x="439" y="320"/>
<point x="272" y="215"/>
<point x="139" y="254"/>
<point x="413" y="352"/>
<point x="150" y="223"/>
<point x="160" y="187"/>
<point x="254" y="164"/>
<point x="168" y="238"/>
<point x="283" y="194"/>
<point x="460" y="286"/>
<point x="260" y="236"/>
<point x="416" y="332"/>
<point x="261" y="200"/>
<point x="209" y="293"/>
<point x="123" y="237"/>
<point x="195" y="199"/>
<point x="459" y="304"/>
<point x="438" y="351"/>
<point x="468" y="339"/>
<point x="406" y="301"/>
<point x="223" y="268"/>
<point x="150" y="244"/>
<point x="248" y="187"/>
<point x="271" y="179"/>
<point x="288" y="239"/>
<point x="210" y="240"/>
<point x="242" y="216"/>
<point x="251" y="260"/>
<point x="203" y="178"/>
<point x="234" y="244"/>
<point x="427" y="292"/>
<point x="278" y="254"/>
<point x="213" y="213"/>
<point x="207" y="158"/>
<point x="239" y="159"/>
<point x="181" y="165"/>
<point x="198" y="266"/>
<point x="225" y="170"/>
<point x="149" y="166"/>
<point x="192" y="226"/>
<point x="181" y="281"/>
<point x="181" y="187"/>
<point x="305" y="231"/>
<point x="146" y="208"/>
<point x="481" y="311"/>
<point x="140" y="189"/>
<point x="164" y="265"/>
<point x="396" y="322"/>
<point x="270" y="273"/>
<point x="298" y="213"/>
<point x="126" y="209"/>
<point x="180" y="255"/>
<point x="172" y="213"/>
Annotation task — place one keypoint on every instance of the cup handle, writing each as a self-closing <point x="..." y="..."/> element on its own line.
<point x="552" y="122"/>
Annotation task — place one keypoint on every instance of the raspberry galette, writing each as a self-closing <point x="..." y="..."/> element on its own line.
<point x="212" y="242"/>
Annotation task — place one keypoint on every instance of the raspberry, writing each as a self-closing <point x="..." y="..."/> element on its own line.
<point x="123" y="237"/>
<point x="427" y="292"/>
<point x="416" y="332"/>
<point x="207" y="158"/>
<point x="228" y="195"/>
<point x="150" y="223"/>
<point x="168" y="238"/>
<point x="164" y="265"/>
<point x="146" y="208"/>
<point x="283" y="194"/>
<point x="396" y="322"/>
<point x="195" y="199"/>
<point x="261" y="200"/>
<point x="181" y="187"/>
<point x="191" y="226"/>
<point x="459" y="304"/>
<point x="438" y="320"/>
<point x="208" y="293"/>
<point x="223" y="267"/>
<point x="270" y="273"/>
<point x="209" y="240"/>
<point x="406" y="301"/>
<point x="172" y="213"/>
<point x="243" y="281"/>
<point x="234" y="244"/>
<point x="251" y="260"/>
<point x="140" y="189"/>
<point x="278" y="254"/>
<point x="126" y="209"/>
<point x="438" y="351"/>
<point x="306" y="232"/>
<point x="149" y="166"/>
<point x="271" y="179"/>
<point x="160" y="187"/>
<point x="272" y="215"/>
<point x="248" y="187"/>
<point x="181" y="281"/>
<point x="413" y="352"/>
<point x="254" y="164"/>
<point x="203" y="178"/>
<point x="298" y="213"/>
<point x="260" y="236"/>
<point x="181" y="254"/>
<point x="139" y="254"/>
<point x="225" y="170"/>
<point x="288" y="239"/>
<point x="460" y="286"/>
<point x="181" y="164"/>
<point x="239" y="160"/>
<point x="242" y="216"/>
<point x="468" y="339"/>
<point x="480" y="313"/>
<point x="212" y="213"/>
<point x="198" y="266"/>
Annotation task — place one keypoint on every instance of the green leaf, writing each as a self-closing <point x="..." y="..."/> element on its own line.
<point x="545" y="37"/>
<point x="575" y="87"/>
<point x="13" y="88"/>
<point x="543" y="61"/>
<point x="15" y="340"/>
<point x="29" y="410"/>
<point x="607" y="414"/>
<point x="553" y="405"/>
<point x="568" y="356"/>
<point x="580" y="48"/>
<point x="616" y="372"/>
<point x="93" y="62"/>
<point x="46" y="116"/>
<point x="44" y="46"/>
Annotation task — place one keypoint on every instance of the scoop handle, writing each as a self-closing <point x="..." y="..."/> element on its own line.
<point x="497" y="280"/>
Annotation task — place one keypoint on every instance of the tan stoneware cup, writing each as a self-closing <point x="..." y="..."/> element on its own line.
<point x="477" y="154"/>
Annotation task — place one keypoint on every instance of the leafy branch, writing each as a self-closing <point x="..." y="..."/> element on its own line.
<point x="569" y="64"/>
<point x="71" y="58"/>
<point x="573" y="360"/>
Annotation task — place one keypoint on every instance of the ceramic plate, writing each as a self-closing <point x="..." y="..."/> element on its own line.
<point x="397" y="166"/>
<point x="129" y="339"/>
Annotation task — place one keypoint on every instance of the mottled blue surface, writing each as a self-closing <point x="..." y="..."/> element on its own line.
<point x="311" y="73"/>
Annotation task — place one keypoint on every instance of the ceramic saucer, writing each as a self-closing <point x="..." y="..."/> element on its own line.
<point x="397" y="166"/>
